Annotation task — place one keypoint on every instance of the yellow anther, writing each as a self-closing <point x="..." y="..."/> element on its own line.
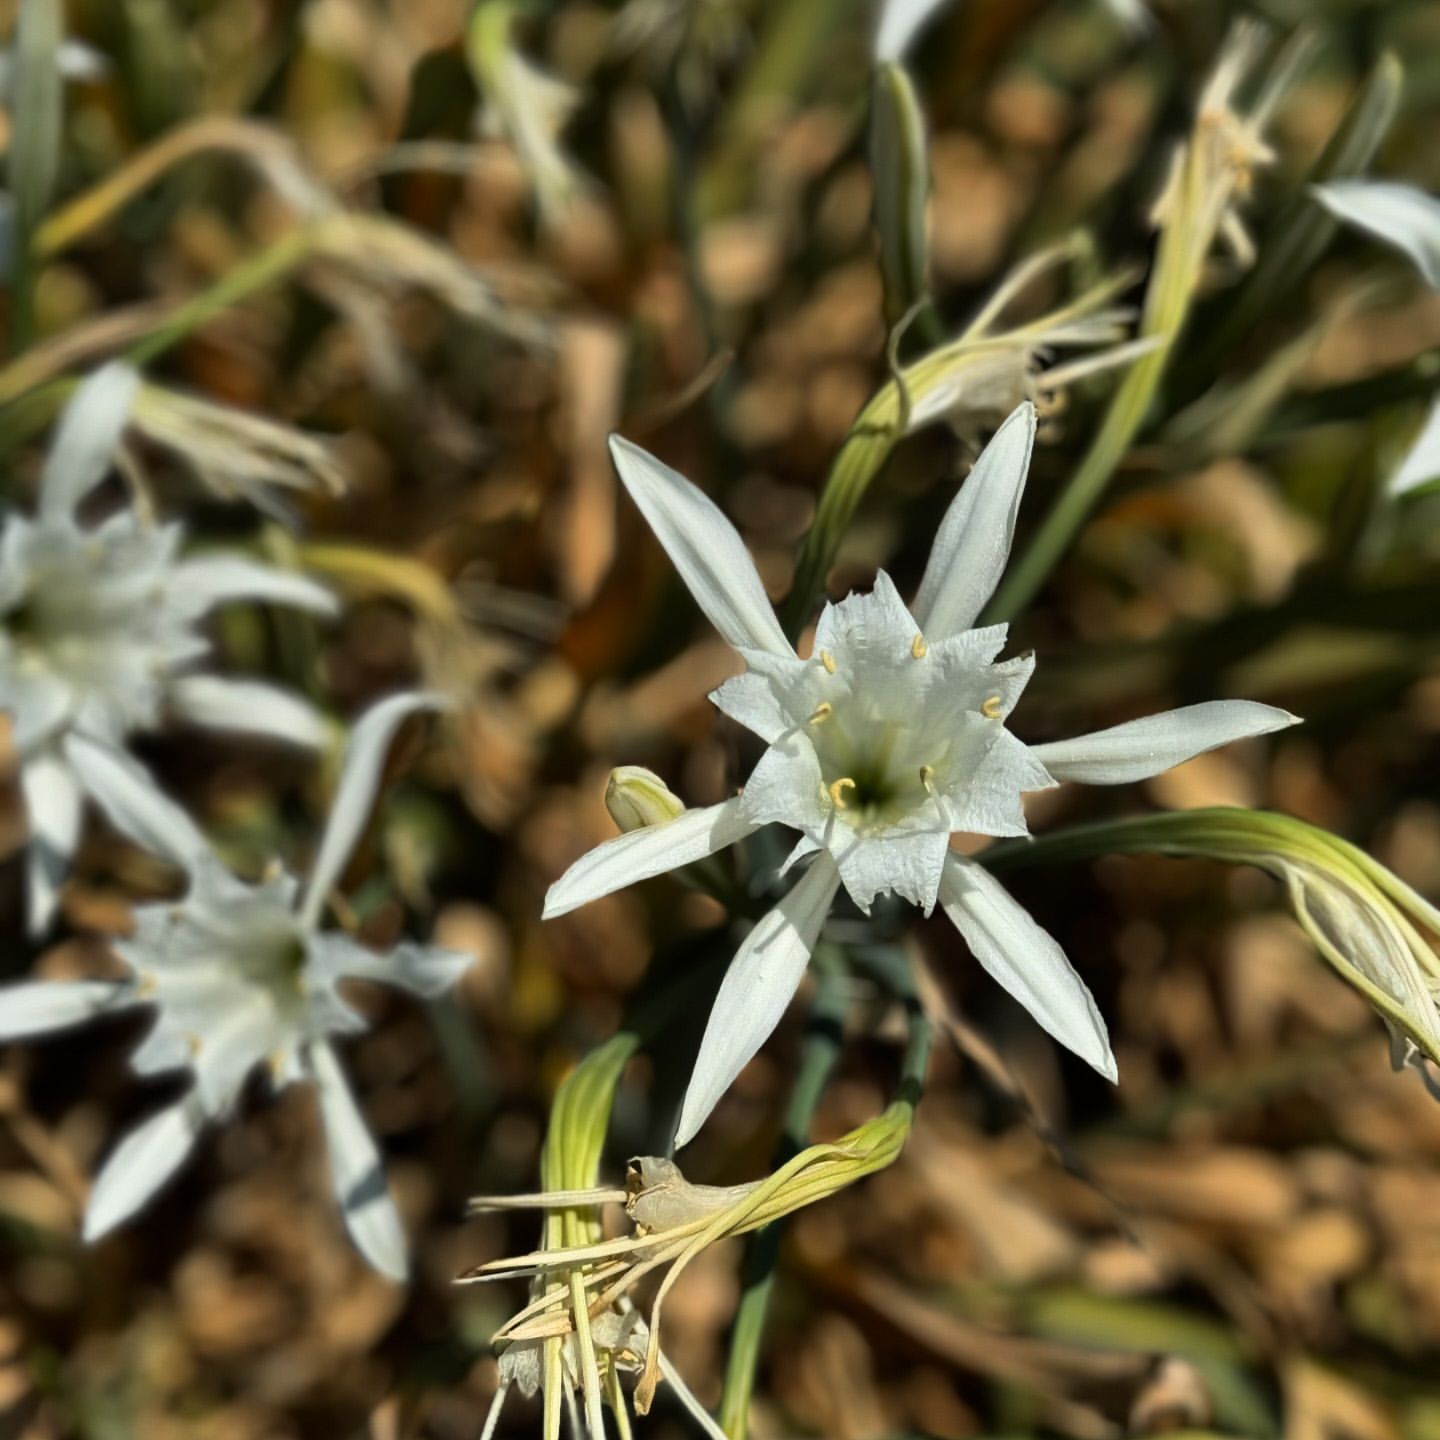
<point x="275" y="1061"/>
<point x="192" y="1044"/>
<point x="145" y="986"/>
<point x="918" y="648"/>
<point x="927" y="779"/>
<point x="838" y="789"/>
<point x="991" y="708"/>
<point x="828" y="661"/>
<point x="821" y="713"/>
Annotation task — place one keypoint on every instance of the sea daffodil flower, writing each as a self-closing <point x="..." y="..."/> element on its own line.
<point x="887" y="739"/>
<point x="99" y="625"/>
<point x="239" y="975"/>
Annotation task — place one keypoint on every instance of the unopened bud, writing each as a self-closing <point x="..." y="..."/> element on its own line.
<point x="637" y="797"/>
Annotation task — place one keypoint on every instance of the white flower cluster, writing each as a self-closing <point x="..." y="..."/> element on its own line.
<point x="99" y="637"/>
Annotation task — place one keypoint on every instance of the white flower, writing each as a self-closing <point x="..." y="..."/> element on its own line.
<point x="239" y="976"/>
<point x="97" y="624"/>
<point x="888" y="738"/>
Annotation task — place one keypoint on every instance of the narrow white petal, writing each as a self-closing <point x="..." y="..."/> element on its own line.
<point x="641" y="854"/>
<point x="142" y="1162"/>
<point x="1142" y="748"/>
<point x="133" y="802"/>
<point x="355" y="1164"/>
<point x="251" y="706"/>
<point x="41" y="1006"/>
<point x="756" y="990"/>
<point x="85" y="443"/>
<point x="899" y="22"/>
<point x="1422" y="460"/>
<point x="424" y="970"/>
<point x="803" y="848"/>
<point x="1020" y="956"/>
<point x="706" y="549"/>
<point x="53" y="802"/>
<point x="1400" y="215"/>
<point x="973" y="541"/>
<point x="217" y="579"/>
<point x="355" y="795"/>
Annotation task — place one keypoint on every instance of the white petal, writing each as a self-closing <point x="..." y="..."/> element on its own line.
<point x="87" y="438"/>
<point x="133" y="802"/>
<point x="868" y="629"/>
<point x="424" y="970"/>
<point x="757" y="988"/>
<point x="804" y="847"/>
<point x="1400" y="215"/>
<point x="973" y="541"/>
<point x="786" y="787"/>
<point x="1020" y="956"/>
<point x="53" y="802"/>
<point x="899" y="21"/>
<point x="989" y="800"/>
<point x="233" y="1042"/>
<point x="355" y="795"/>
<point x="1142" y="748"/>
<point x="41" y="1006"/>
<point x="355" y="1165"/>
<point x="216" y="579"/>
<point x="908" y="865"/>
<point x="251" y="706"/>
<point x="757" y="699"/>
<point x="641" y="854"/>
<point x="706" y="549"/>
<point x="142" y="1162"/>
<point x="1422" y="460"/>
<point x="38" y="702"/>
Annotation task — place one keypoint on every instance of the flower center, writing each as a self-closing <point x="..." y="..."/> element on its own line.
<point x="275" y="964"/>
<point x="877" y="760"/>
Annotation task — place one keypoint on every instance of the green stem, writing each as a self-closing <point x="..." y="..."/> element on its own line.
<point x="822" y="1048"/>
<point x="1122" y="423"/>
<point x="29" y="410"/>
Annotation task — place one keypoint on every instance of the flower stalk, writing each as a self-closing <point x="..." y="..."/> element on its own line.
<point x="1212" y="175"/>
